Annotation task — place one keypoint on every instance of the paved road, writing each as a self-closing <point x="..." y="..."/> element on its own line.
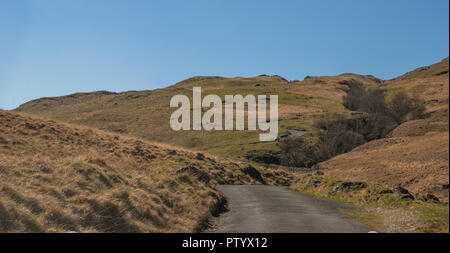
<point x="264" y="209"/>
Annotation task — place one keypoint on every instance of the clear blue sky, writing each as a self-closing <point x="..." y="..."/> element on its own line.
<point x="58" y="47"/>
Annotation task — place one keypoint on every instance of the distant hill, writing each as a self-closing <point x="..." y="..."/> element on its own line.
<point x="57" y="177"/>
<point x="146" y="114"/>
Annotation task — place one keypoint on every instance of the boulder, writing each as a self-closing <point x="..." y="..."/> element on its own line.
<point x="400" y="190"/>
<point x="200" y="156"/>
<point x="171" y="152"/>
<point x="253" y="173"/>
<point x="407" y="196"/>
<point x="403" y="193"/>
<point x="315" y="183"/>
<point x="428" y="197"/>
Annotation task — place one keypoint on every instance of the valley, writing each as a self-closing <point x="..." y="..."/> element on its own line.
<point x="110" y="162"/>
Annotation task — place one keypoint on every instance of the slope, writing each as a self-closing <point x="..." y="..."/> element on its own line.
<point x="146" y="114"/>
<point x="57" y="177"/>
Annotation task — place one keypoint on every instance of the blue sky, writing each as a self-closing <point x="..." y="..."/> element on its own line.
<point x="58" y="47"/>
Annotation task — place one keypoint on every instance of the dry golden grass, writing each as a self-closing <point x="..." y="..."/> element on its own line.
<point x="416" y="155"/>
<point x="419" y="164"/>
<point x="430" y="83"/>
<point x="437" y="122"/>
<point x="146" y="114"/>
<point x="56" y="177"/>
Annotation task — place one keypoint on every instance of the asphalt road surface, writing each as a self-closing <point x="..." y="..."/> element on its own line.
<point x="272" y="209"/>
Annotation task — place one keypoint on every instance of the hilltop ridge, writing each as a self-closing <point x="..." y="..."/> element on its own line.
<point x="437" y="69"/>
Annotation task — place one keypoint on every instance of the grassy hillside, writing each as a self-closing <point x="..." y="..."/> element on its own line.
<point x="430" y="83"/>
<point x="57" y="177"/>
<point x="146" y="114"/>
<point x="438" y="69"/>
<point x="382" y="208"/>
<point x="419" y="163"/>
<point x="415" y="154"/>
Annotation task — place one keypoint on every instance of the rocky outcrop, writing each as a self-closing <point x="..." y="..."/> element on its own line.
<point x="253" y="173"/>
<point x="403" y="193"/>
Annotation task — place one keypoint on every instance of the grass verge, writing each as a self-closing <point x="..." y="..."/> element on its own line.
<point x="382" y="208"/>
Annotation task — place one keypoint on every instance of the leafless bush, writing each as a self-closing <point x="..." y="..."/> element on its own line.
<point x="298" y="152"/>
<point x="354" y="98"/>
<point x="341" y="134"/>
<point x="402" y="107"/>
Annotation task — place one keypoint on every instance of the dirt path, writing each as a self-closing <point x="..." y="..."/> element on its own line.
<point x="264" y="209"/>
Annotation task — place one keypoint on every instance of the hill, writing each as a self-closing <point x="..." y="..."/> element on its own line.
<point x="412" y="156"/>
<point x="419" y="164"/>
<point x="430" y="83"/>
<point x="146" y="114"/>
<point x="416" y="154"/>
<point x="57" y="177"/>
<point x="438" y="69"/>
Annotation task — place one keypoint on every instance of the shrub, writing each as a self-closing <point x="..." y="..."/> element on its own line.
<point x="402" y="107"/>
<point x="297" y="152"/>
<point x="335" y="143"/>
<point x="374" y="102"/>
<point x="354" y="98"/>
<point x="358" y="99"/>
<point x="340" y="134"/>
